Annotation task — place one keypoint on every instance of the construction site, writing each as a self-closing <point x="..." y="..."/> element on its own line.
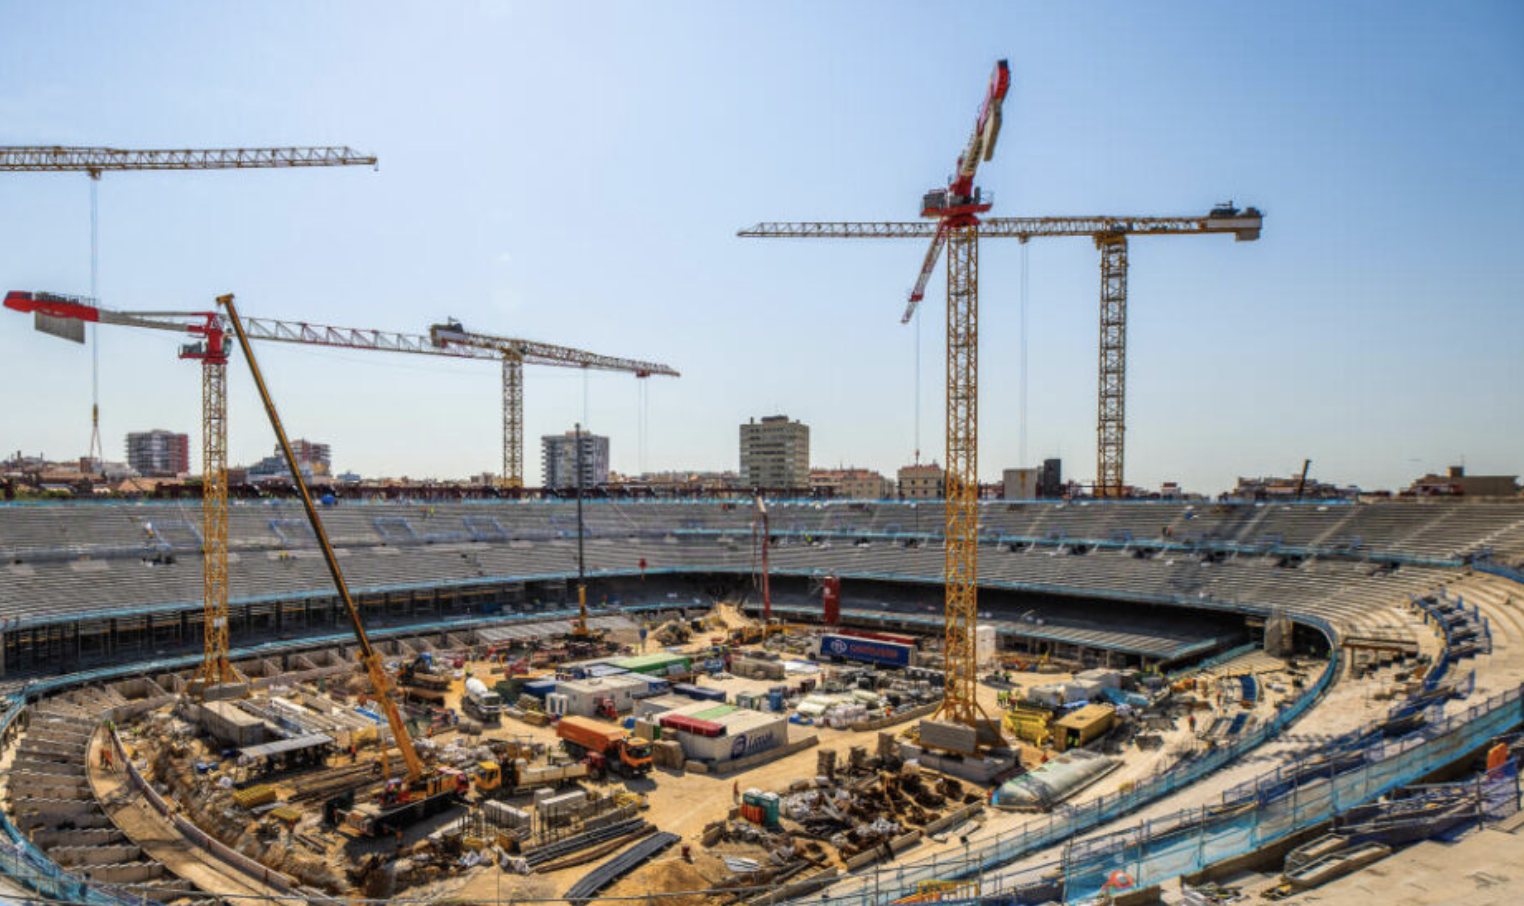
<point x="559" y="695"/>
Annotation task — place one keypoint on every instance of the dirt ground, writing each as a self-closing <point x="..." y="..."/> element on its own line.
<point x="158" y="837"/>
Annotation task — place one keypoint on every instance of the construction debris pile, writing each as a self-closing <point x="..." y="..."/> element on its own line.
<point x="848" y="814"/>
<point x="183" y="769"/>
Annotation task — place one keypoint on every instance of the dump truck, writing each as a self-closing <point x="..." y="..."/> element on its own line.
<point x="506" y="778"/>
<point x="480" y="702"/>
<point x="608" y="748"/>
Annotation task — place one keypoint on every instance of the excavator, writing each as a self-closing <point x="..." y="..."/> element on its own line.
<point x="424" y="790"/>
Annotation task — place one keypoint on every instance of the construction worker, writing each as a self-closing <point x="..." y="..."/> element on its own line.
<point x="735" y="792"/>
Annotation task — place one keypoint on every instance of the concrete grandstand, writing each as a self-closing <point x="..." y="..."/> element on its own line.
<point x="93" y="583"/>
<point x="95" y="593"/>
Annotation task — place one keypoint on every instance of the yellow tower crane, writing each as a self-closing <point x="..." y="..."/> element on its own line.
<point x="96" y="161"/>
<point x="954" y="215"/>
<point x="66" y="316"/>
<point x="1111" y="235"/>
<point x="450" y="338"/>
<point x="954" y="220"/>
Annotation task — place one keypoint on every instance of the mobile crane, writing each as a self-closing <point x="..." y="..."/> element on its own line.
<point x="424" y="791"/>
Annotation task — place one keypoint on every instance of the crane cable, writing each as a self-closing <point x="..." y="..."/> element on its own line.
<point x="1021" y="415"/>
<point x="917" y="385"/>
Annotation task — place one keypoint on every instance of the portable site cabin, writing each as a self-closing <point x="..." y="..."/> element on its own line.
<point x="1083" y="726"/>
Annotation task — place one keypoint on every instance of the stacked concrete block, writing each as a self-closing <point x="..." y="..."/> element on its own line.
<point x="49" y="797"/>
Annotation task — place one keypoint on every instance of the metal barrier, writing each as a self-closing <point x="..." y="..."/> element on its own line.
<point x="1192" y="839"/>
<point x="1069" y="821"/>
<point x="1498" y="569"/>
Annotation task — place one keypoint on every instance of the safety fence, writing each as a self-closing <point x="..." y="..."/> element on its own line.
<point x="1466" y="632"/>
<point x="1190" y="840"/>
<point x="1066" y="822"/>
<point x="1498" y="569"/>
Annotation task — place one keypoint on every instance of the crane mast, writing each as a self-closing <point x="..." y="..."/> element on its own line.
<point x="451" y="338"/>
<point x="761" y="523"/>
<point x="65" y="315"/>
<point x="954" y="212"/>
<point x="956" y="223"/>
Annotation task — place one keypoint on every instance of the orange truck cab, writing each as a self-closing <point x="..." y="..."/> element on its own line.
<point x="616" y="749"/>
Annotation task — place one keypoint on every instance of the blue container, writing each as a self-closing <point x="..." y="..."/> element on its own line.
<point x="540" y="688"/>
<point x="775" y="701"/>
<point x="699" y="693"/>
<point x="868" y="651"/>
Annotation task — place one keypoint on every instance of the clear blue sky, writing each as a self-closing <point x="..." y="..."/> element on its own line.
<point x="576" y="173"/>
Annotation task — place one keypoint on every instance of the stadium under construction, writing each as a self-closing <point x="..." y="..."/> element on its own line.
<point x="1162" y="671"/>
<point x="539" y="695"/>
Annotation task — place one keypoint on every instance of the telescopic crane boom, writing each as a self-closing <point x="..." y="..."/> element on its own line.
<point x="380" y="683"/>
<point x="65" y="316"/>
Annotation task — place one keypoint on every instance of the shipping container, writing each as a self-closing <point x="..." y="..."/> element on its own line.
<point x="600" y="670"/>
<point x="745" y="733"/>
<point x="898" y="638"/>
<point x="540" y="688"/>
<point x="690" y="725"/>
<point x="658" y="664"/>
<point x="584" y="696"/>
<point x="870" y="651"/>
<point x="699" y="692"/>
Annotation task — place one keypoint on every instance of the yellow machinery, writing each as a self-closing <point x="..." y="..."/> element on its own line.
<point x="954" y="221"/>
<point x="421" y="782"/>
<point x="1029" y="724"/>
<point x="65" y="316"/>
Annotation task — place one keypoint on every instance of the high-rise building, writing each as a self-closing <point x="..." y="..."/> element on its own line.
<point x="775" y="453"/>
<point x="1050" y="481"/>
<point x="922" y="482"/>
<point x="158" y="452"/>
<point x="558" y="460"/>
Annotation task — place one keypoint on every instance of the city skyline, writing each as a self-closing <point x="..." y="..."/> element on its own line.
<point x="1379" y="352"/>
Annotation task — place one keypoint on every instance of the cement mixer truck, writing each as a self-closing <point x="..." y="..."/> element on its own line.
<point x="480" y="702"/>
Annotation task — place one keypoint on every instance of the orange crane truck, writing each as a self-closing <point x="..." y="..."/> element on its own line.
<point x="607" y="748"/>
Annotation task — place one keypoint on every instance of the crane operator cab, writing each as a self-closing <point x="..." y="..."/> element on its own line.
<point x="442" y="334"/>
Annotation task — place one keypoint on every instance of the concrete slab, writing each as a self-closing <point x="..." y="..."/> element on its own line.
<point x="1485" y="868"/>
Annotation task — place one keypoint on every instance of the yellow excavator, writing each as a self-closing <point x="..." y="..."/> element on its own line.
<point x="424" y="791"/>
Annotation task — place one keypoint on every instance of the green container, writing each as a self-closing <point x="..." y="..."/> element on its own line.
<point x="657" y="664"/>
